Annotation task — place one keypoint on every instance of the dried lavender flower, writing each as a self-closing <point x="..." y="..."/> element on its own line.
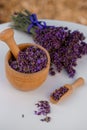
<point x="46" y="119"/>
<point x="64" y="46"/>
<point x="58" y="93"/>
<point x="30" y="60"/>
<point x="43" y="108"/>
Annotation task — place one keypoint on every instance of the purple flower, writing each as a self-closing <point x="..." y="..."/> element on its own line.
<point x="64" y="47"/>
<point x="43" y="108"/>
<point x="30" y="60"/>
<point x="58" y="93"/>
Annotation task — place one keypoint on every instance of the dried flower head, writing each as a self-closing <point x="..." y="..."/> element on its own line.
<point x="43" y="109"/>
<point x="30" y="60"/>
<point x="58" y="93"/>
<point x="64" y="46"/>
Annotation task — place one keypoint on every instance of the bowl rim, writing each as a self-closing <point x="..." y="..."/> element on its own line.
<point x="28" y="74"/>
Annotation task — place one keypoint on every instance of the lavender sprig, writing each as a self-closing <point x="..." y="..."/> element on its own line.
<point x="64" y="46"/>
<point x="21" y="21"/>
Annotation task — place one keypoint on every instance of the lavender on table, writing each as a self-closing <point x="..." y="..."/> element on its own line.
<point x="58" y="93"/>
<point x="30" y="60"/>
<point x="47" y="119"/>
<point x="43" y="109"/>
<point x="64" y="46"/>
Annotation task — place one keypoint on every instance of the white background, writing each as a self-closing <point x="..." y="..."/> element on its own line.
<point x="70" y="114"/>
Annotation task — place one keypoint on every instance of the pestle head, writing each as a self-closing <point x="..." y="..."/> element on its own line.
<point x="4" y="35"/>
<point x="8" y="37"/>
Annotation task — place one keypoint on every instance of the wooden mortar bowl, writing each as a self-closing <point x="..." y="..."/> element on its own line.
<point x="24" y="81"/>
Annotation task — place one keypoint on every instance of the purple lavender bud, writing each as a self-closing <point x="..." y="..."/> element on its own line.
<point x="59" y="93"/>
<point x="64" y="46"/>
<point x="30" y="60"/>
<point x="43" y="108"/>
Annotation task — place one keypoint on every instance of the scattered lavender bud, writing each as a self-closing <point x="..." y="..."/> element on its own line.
<point x="43" y="109"/>
<point x="52" y="72"/>
<point x="46" y="119"/>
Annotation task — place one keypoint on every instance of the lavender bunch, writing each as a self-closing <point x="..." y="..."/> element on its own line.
<point x="23" y="20"/>
<point x="64" y="46"/>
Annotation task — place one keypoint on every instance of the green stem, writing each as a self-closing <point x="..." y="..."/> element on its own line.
<point x="21" y="21"/>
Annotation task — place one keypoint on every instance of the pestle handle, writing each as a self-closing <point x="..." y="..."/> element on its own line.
<point x="78" y="82"/>
<point x="8" y="37"/>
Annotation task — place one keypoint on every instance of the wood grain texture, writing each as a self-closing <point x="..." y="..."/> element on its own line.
<point x="8" y="37"/>
<point x="20" y="80"/>
<point x="23" y="81"/>
<point x="77" y="83"/>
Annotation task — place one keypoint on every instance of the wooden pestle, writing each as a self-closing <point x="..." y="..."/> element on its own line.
<point x="8" y="37"/>
<point x="77" y="83"/>
<point x="22" y="81"/>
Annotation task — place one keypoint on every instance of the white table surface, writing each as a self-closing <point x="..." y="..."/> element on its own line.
<point x="70" y="114"/>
